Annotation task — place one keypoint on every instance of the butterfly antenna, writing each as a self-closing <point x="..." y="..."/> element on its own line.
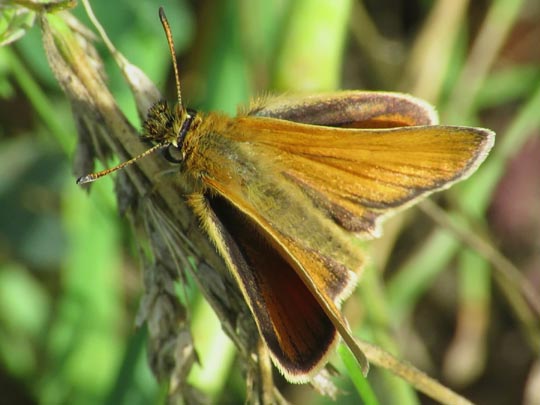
<point x="168" y="33"/>
<point x="94" y="176"/>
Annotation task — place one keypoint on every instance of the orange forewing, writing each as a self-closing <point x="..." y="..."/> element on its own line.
<point x="357" y="176"/>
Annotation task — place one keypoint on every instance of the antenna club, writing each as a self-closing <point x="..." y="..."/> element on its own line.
<point x="85" y="179"/>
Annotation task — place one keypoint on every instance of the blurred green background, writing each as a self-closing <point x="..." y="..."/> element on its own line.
<point x="69" y="272"/>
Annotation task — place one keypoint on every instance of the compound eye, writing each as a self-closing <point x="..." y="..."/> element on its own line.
<point x="173" y="154"/>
